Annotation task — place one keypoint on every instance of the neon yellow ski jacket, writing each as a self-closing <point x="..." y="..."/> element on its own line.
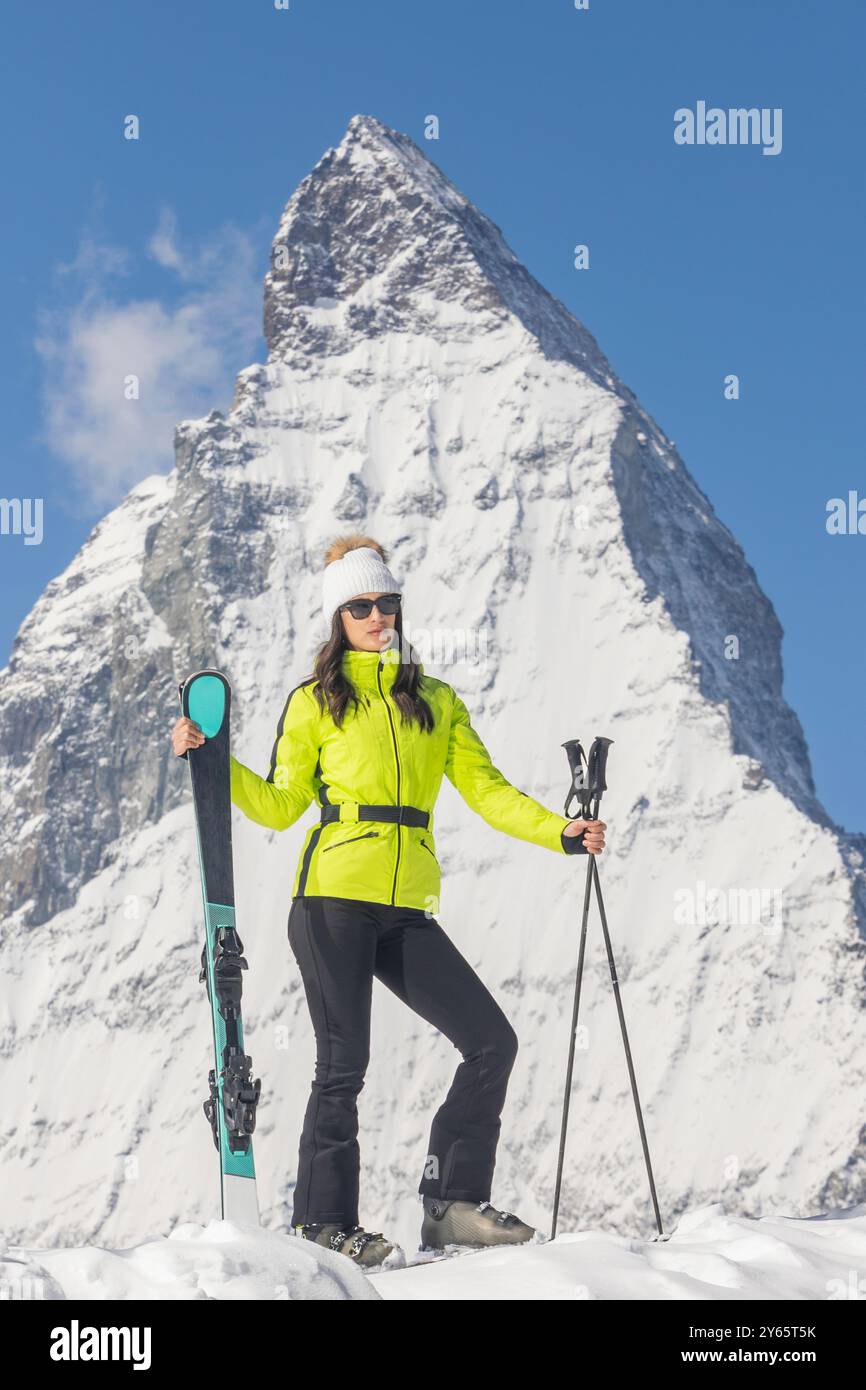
<point x="376" y="759"/>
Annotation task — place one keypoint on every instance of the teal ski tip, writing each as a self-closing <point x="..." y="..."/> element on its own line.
<point x="206" y="701"/>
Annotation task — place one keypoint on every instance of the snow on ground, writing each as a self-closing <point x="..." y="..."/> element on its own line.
<point x="711" y="1255"/>
<point x="222" y="1260"/>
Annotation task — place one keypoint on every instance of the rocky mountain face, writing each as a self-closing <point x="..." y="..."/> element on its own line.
<point x="422" y="386"/>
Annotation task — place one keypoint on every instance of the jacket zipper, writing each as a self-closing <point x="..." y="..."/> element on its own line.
<point x="397" y="760"/>
<point x="351" y="841"/>
<point x="427" y="847"/>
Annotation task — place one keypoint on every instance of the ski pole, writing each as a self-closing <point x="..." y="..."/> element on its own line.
<point x="574" y="1013"/>
<point x="587" y="784"/>
<point x="577" y="787"/>
<point x="615" y="982"/>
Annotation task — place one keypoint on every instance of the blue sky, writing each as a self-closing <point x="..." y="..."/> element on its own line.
<point x="558" y="123"/>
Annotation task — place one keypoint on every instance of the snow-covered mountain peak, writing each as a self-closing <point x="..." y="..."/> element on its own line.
<point x="377" y="239"/>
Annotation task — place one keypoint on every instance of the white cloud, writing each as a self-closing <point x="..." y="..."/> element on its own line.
<point x="184" y="348"/>
<point x="163" y="244"/>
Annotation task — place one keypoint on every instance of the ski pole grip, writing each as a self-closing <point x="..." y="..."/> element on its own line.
<point x="574" y="753"/>
<point x="597" y="765"/>
<point x="577" y="767"/>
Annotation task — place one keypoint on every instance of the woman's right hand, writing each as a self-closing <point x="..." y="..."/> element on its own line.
<point x="185" y="734"/>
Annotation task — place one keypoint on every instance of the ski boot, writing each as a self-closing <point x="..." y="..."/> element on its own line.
<point x="367" y="1248"/>
<point x="476" y="1224"/>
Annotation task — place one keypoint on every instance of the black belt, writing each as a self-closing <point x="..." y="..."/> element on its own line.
<point x="403" y="815"/>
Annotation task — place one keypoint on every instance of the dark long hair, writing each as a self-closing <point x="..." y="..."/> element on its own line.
<point x="333" y="688"/>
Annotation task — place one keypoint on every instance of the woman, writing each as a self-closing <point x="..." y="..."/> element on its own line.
<point x="370" y="736"/>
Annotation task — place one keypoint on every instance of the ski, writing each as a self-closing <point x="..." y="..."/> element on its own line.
<point x="230" y="1109"/>
<point x="454" y="1251"/>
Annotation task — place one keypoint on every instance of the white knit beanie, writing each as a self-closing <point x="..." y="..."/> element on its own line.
<point x="359" y="571"/>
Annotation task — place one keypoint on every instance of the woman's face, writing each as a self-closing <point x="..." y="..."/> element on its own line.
<point x="370" y="634"/>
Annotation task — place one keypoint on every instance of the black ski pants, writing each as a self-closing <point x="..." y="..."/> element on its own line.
<point x="340" y="944"/>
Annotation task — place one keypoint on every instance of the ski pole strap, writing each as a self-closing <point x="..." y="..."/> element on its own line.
<point x="353" y="811"/>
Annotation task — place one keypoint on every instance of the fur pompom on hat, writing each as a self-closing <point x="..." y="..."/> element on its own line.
<point x="354" y="565"/>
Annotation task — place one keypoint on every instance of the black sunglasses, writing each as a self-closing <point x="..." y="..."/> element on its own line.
<point x="363" y="607"/>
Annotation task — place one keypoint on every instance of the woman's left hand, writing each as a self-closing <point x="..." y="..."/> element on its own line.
<point x="594" y="837"/>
